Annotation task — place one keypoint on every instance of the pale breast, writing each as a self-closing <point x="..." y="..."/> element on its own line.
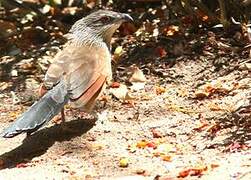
<point x="79" y="67"/>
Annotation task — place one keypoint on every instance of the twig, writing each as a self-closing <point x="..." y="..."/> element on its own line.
<point x="223" y="14"/>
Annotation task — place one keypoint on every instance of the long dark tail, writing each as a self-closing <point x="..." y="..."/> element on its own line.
<point x="39" y="113"/>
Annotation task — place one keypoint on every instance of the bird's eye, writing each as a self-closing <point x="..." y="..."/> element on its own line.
<point x="105" y="19"/>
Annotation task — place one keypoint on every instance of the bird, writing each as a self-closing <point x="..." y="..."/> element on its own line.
<point x="78" y="73"/>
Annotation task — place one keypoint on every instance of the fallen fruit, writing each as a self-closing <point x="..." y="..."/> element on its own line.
<point x="142" y="144"/>
<point x="123" y="162"/>
<point x="152" y="145"/>
<point x="166" y="158"/>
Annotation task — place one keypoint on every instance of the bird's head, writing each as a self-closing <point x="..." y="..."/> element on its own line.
<point x="97" y="27"/>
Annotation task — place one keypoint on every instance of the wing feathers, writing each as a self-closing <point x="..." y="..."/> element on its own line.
<point x="90" y="92"/>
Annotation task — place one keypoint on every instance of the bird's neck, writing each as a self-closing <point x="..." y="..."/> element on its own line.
<point x="86" y="39"/>
<point x="90" y="37"/>
<point x="107" y="36"/>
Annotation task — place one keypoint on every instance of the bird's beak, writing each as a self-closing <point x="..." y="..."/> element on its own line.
<point x="126" y="17"/>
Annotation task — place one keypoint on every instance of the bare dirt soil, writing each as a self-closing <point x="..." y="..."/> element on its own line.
<point x="191" y="120"/>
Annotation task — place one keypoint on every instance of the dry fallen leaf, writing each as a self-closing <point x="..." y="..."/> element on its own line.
<point x="177" y="108"/>
<point x="136" y="86"/>
<point x="132" y="148"/>
<point x="115" y="85"/>
<point x="97" y="146"/>
<point x="200" y="126"/>
<point x="14" y="114"/>
<point x="156" y="133"/>
<point x="171" y="30"/>
<point x="236" y="146"/>
<point x="142" y="144"/>
<point x="212" y="166"/>
<point x="214" y="106"/>
<point x="215" y="87"/>
<point x="46" y="9"/>
<point x="137" y="79"/>
<point x="166" y="158"/>
<point x="21" y="165"/>
<point x="140" y="171"/>
<point x="160" y="90"/>
<point x="5" y="85"/>
<point x="213" y="129"/>
<point x="182" y="92"/>
<point x="152" y="145"/>
<point x="165" y="149"/>
<point x="161" y="52"/>
<point x="7" y="28"/>
<point x="201" y="94"/>
<point x="91" y="3"/>
<point x="197" y="171"/>
<point x="121" y="92"/>
<point x="137" y="76"/>
<point x="205" y="18"/>
<point x="247" y="66"/>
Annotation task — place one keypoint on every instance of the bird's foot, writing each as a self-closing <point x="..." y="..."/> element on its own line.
<point x="59" y="118"/>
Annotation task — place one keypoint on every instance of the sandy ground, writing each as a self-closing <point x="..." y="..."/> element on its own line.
<point x="166" y="131"/>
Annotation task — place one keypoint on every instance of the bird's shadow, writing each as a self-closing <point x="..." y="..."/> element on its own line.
<point x="38" y="143"/>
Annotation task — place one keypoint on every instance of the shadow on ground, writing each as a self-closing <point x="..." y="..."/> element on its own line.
<point x="38" y="143"/>
<point x="241" y="132"/>
<point x="240" y="129"/>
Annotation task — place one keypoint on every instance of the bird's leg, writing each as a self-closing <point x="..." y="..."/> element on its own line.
<point x="59" y="118"/>
<point x="64" y="126"/>
<point x="62" y="115"/>
<point x="42" y="90"/>
<point x="94" y="114"/>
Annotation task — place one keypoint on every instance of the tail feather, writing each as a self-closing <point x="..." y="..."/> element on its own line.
<point x="39" y="113"/>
